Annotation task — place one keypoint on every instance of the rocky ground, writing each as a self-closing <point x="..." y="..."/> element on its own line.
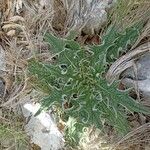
<point x="22" y="24"/>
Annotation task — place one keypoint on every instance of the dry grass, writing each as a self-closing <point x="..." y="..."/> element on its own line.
<point x="21" y="38"/>
<point x="127" y="13"/>
<point x="126" y="61"/>
<point x="138" y="139"/>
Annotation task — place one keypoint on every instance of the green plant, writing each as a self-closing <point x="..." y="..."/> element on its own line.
<point x="75" y="80"/>
<point x="73" y="132"/>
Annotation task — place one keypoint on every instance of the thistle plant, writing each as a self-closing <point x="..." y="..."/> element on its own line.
<point x="76" y="82"/>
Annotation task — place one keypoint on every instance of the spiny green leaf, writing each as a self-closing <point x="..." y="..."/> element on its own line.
<point x="115" y="42"/>
<point x="72" y="45"/>
<point x="57" y="44"/>
<point x="121" y="97"/>
<point x="128" y="37"/>
<point x="72" y="35"/>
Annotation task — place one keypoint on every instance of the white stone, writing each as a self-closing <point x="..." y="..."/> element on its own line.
<point x="87" y="15"/>
<point x="2" y="59"/>
<point x="139" y="77"/>
<point x="42" y="128"/>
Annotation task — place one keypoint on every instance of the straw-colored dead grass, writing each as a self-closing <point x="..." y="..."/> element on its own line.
<point x="126" y="61"/>
<point x="22" y="28"/>
<point x="138" y="139"/>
